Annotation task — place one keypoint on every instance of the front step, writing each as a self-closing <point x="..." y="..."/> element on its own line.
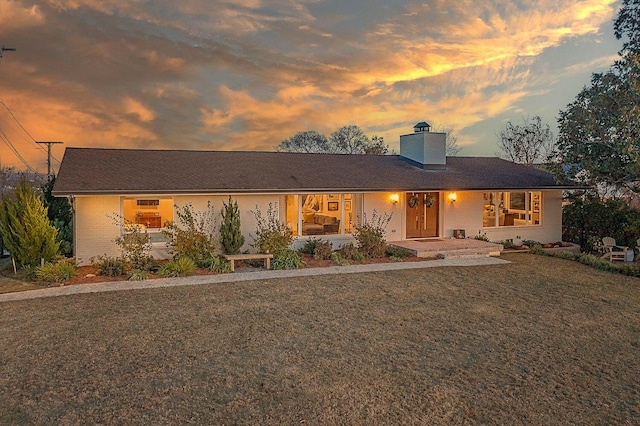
<point x="460" y="254"/>
<point x="453" y="249"/>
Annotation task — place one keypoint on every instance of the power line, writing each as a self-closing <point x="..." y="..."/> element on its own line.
<point x="48" y="151"/>
<point x="19" y="123"/>
<point x="13" y="149"/>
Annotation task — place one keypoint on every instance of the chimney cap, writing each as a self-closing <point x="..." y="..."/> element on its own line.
<point x="422" y="126"/>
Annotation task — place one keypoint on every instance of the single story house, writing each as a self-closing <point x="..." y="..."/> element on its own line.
<point x="324" y="196"/>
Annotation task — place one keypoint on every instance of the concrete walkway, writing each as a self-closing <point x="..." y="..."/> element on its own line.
<point x="243" y="276"/>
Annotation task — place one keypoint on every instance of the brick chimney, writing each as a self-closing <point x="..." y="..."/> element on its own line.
<point x="423" y="148"/>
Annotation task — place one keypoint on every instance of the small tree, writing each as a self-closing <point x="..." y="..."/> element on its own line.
<point x="231" y="237"/>
<point x="25" y="227"/>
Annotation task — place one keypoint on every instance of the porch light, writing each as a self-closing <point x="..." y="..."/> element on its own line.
<point x="395" y="197"/>
<point x="453" y="197"/>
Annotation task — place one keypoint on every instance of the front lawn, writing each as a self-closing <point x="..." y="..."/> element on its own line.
<point x="539" y="341"/>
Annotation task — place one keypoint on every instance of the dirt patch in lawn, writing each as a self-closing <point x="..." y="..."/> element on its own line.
<point x="539" y="341"/>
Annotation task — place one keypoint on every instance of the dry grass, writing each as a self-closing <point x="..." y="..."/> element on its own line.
<point x="540" y="341"/>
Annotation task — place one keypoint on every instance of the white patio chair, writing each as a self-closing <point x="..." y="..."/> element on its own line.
<point x="613" y="251"/>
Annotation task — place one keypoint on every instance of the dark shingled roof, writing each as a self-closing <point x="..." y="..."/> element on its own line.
<point x="138" y="171"/>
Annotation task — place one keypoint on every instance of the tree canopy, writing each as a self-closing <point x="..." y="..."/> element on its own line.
<point x="309" y="141"/>
<point x="346" y="140"/>
<point x="529" y="143"/>
<point x="599" y="132"/>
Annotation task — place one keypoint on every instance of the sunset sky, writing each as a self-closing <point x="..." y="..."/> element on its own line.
<point x="246" y="74"/>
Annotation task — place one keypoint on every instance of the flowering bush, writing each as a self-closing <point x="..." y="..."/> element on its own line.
<point x="272" y="235"/>
<point x="370" y="234"/>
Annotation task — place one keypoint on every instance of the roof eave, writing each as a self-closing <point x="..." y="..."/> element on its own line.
<point x="65" y="193"/>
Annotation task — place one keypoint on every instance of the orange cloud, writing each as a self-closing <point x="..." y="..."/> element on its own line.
<point x="13" y="15"/>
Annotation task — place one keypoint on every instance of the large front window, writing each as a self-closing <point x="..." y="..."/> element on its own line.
<point x="517" y="208"/>
<point x="323" y="214"/>
<point x="150" y="214"/>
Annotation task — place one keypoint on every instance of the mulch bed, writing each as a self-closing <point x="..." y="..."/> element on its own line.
<point x="89" y="274"/>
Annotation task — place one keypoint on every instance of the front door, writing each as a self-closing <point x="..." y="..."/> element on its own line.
<point x="422" y="214"/>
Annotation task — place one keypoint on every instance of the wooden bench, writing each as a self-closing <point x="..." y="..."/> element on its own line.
<point x="257" y="256"/>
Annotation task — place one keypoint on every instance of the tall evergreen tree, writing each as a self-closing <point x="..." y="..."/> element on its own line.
<point x="231" y="238"/>
<point x="25" y="227"/>
<point x="60" y="216"/>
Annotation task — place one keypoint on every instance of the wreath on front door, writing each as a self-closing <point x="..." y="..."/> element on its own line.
<point x="413" y="201"/>
<point x="429" y="200"/>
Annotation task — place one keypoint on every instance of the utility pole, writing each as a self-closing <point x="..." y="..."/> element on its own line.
<point x="48" y="143"/>
<point x="6" y="49"/>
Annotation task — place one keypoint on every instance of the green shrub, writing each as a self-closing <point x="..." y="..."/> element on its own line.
<point x="507" y="244"/>
<point x="138" y="275"/>
<point x="144" y="263"/>
<point x="564" y="254"/>
<point x="370" y="235"/>
<point x="604" y="265"/>
<point x="272" y="235"/>
<point x="218" y="264"/>
<point x="587" y="218"/>
<point x="588" y="259"/>
<point x="358" y="256"/>
<point x="537" y="249"/>
<point x="110" y="266"/>
<point x="231" y="237"/>
<point x="309" y="246"/>
<point x="134" y="244"/>
<point x="57" y="271"/>
<point x="339" y="260"/>
<point x="323" y="250"/>
<point x="395" y="251"/>
<point x="192" y="235"/>
<point x="286" y="259"/>
<point x="632" y="271"/>
<point x="180" y="267"/>
<point x="348" y="251"/>
<point x="396" y="259"/>
<point x="25" y="228"/>
<point x="530" y="243"/>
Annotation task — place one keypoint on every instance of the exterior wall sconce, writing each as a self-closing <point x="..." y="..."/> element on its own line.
<point x="453" y="197"/>
<point x="395" y="197"/>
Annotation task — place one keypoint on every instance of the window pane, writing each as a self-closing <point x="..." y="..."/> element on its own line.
<point x="327" y="214"/>
<point x="488" y="210"/>
<point x="291" y="208"/>
<point x="536" y="208"/>
<point x="150" y="214"/>
<point x="516" y="200"/>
